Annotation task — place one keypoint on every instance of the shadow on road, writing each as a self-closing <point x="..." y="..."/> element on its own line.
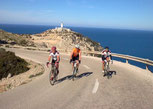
<point x="109" y="75"/>
<point x="83" y="75"/>
<point x="69" y="77"/>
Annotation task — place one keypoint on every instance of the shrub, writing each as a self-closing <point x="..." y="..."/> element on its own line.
<point x="22" y="42"/>
<point x="11" y="64"/>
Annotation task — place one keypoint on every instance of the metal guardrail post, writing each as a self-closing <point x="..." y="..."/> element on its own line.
<point x="147" y="67"/>
<point x="127" y="61"/>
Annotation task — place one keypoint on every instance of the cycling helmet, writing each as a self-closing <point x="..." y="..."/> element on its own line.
<point x="106" y="47"/>
<point x="77" y="46"/>
<point x="53" y="48"/>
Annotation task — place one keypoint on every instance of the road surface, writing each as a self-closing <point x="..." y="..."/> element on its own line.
<point x="130" y="88"/>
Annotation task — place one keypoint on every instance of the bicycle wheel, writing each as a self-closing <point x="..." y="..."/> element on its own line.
<point x="108" y="73"/>
<point x="105" y="70"/>
<point x="53" y="71"/>
<point x="55" y="74"/>
<point x="50" y="78"/>
<point x="74" y="73"/>
<point x="108" y="68"/>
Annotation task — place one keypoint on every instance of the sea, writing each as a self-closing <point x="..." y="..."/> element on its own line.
<point x="137" y="43"/>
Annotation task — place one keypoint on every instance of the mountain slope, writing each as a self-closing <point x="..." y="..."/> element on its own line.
<point x="10" y="38"/>
<point x="65" y="38"/>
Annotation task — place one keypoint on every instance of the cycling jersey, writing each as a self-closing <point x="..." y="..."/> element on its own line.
<point x="54" y="56"/>
<point x="106" y="54"/>
<point x="76" y="52"/>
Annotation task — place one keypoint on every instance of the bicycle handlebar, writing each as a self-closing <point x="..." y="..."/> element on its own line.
<point x="51" y="63"/>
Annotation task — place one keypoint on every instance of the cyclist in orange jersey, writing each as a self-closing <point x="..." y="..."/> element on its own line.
<point x="76" y="55"/>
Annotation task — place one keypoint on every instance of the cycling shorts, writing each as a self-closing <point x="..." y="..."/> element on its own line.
<point x="74" y="58"/>
<point x="107" y="59"/>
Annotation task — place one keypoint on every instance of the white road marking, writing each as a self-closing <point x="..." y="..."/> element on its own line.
<point x="86" y="67"/>
<point x="95" y="87"/>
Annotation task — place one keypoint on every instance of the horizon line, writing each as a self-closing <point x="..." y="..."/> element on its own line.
<point x="81" y="26"/>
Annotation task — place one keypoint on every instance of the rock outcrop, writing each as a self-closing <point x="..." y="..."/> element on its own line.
<point x="66" y="39"/>
<point x="63" y="38"/>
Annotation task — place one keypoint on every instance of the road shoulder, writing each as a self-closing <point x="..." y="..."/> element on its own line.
<point x="35" y="70"/>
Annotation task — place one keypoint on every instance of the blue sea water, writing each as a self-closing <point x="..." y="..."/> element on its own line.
<point x="137" y="43"/>
<point x="25" y="29"/>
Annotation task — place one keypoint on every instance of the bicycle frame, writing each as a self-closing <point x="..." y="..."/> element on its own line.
<point x="74" y="69"/>
<point x="54" y="72"/>
<point x="106" y="67"/>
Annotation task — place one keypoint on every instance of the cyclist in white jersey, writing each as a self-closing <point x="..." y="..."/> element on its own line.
<point x="54" y="55"/>
<point x="106" y="57"/>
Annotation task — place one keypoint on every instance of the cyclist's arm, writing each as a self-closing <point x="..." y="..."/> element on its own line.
<point x="111" y="57"/>
<point x="49" y="58"/>
<point x="71" y="55"/>
<point x="58" y="58"/>
<point x="103" y="57"/>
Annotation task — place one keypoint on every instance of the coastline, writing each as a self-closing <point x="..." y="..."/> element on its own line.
<point x="135" y="44"/>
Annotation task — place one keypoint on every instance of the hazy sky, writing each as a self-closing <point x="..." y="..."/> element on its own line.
<point x="133" y="14"/>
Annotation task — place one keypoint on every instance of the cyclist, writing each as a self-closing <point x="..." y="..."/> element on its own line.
<point x="106" y="57"/>
<point x="76" y="56"/>
<point x="54" y="55"/>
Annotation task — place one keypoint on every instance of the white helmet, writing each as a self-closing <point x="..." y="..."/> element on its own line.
<point x="77" y="46"/>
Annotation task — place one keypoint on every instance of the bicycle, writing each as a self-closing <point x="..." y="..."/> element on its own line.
<point x="53" y="72"/>
<point x="107" y="69"/>
<point x="75" y="70"/>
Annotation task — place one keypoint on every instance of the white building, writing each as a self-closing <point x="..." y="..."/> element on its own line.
<point x="61" y="25"/>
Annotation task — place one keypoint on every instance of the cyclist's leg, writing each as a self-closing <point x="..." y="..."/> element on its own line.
<point x="52" y="64"/>
<point x="73" y="59"/>
<point x="108" y="59"/>
<point x="103" y="63"/>
<point x="57" y="67"/>
<point x="51" y="76"/>
<point x="103" y="67"/>
<point x="77" y="61"/>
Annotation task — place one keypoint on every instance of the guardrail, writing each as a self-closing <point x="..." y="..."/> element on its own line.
<point x="147" y="62"/>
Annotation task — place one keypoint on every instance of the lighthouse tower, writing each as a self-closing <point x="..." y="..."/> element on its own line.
<point x="61" y="25"/>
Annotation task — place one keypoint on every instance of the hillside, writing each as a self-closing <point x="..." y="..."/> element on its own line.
<point x="63" y="38"/>
<point x="10" y="38"/>
<point x="10" y="64"/>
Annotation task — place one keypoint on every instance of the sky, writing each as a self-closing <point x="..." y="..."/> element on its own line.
<point x="129" y="14"/>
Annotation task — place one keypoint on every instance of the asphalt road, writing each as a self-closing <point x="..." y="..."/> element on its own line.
<point x="130" y="88"/>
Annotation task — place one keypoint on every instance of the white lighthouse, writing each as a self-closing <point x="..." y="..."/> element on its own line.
<point x="61" y="25"/>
